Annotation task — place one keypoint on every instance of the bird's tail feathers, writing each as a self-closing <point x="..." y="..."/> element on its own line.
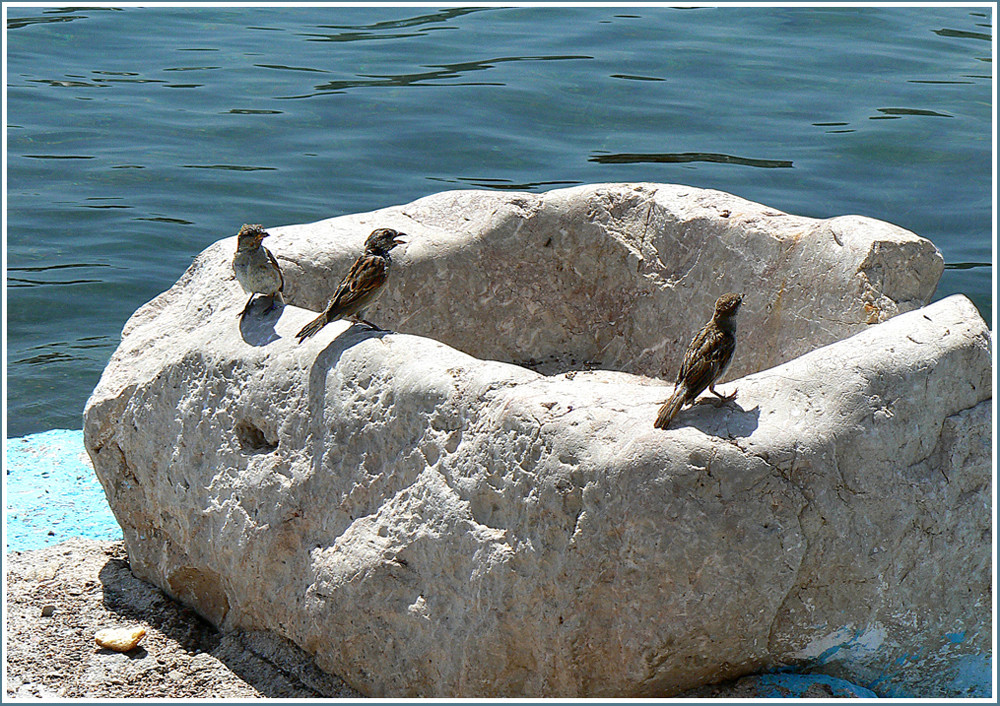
<point x="670" y="408"/>
<point x="312" y="327"/>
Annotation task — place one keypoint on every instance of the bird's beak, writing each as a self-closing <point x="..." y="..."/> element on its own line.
<point x="398" y="239"/>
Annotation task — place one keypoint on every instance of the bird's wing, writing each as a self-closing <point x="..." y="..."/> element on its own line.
<point x="277" y="267"/>
<point x="366" y="275"/>
<point x="705" y="359"/>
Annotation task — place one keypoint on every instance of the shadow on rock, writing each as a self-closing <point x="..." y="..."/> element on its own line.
<point x="325" y="361"/>
<point x="257" y="329"/>
<point x="137" y="653"/>
<point x="349" y="338"/>
<point x="137" y="600"/>
<point x="725" y="421"/>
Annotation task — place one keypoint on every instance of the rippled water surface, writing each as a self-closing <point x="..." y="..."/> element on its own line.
<point x="137" y="137"/>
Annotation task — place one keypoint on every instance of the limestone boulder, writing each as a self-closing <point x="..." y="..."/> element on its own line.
<point x="429" y="521"/>
<point x="610" y="276"/>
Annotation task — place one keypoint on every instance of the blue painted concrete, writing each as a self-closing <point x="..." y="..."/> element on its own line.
<point x="52" y="492"/>
<point x="794" y="686"/>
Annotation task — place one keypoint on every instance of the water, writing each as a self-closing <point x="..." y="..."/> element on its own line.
<point x="137" y="137"/>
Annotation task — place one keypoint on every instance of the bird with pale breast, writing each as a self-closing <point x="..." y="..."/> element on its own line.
<point x="362" y="284"/>
<point x="255" y="267"/>
<point x="706" y="359"/>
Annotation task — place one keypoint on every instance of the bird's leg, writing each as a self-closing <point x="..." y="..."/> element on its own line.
<point x="722" y="398"/>
<point x="373" y="326"/>
<point x="276" y="297"/>
<point x="247" y="307"/>
<point x="270" y="306"/>
<point x="358" y="319"/>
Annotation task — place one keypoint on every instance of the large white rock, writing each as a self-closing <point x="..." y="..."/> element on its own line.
<point x="612" y="276"/>
<point x="430" y="523"/>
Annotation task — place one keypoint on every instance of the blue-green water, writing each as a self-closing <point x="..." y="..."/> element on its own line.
<point x="137" y="137"/>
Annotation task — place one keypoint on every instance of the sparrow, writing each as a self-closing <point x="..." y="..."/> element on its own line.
<point x="706" y="359"/>
<point x="362" y="284"/>
<point x="255" y="267"/>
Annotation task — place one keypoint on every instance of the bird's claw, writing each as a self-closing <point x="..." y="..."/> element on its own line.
<point x="723" y="399"/>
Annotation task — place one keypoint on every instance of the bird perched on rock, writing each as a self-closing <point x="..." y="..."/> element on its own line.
<point x="362" y="284"/>
<point x="705" y="360"/>
<point x="255" y="267"/>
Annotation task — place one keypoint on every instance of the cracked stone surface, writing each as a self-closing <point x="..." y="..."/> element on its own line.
<point x="426" y="522"/>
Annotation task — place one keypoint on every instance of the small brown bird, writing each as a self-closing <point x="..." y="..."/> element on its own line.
<point x="362" y="284"/>
<point x="255" y="267"/>
<point x="706" y="359"/>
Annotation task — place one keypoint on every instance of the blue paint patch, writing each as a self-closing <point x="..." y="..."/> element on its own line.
<point x="974" y="677"/>
<point x="52" y="492"/>
<point x="794" y="686"/>
<point x="955" y="638"/>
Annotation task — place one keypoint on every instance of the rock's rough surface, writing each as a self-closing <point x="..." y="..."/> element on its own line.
<point x="428" y="523"/>
<point x="184" y="657"/>
<point x="613" y="276"/>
